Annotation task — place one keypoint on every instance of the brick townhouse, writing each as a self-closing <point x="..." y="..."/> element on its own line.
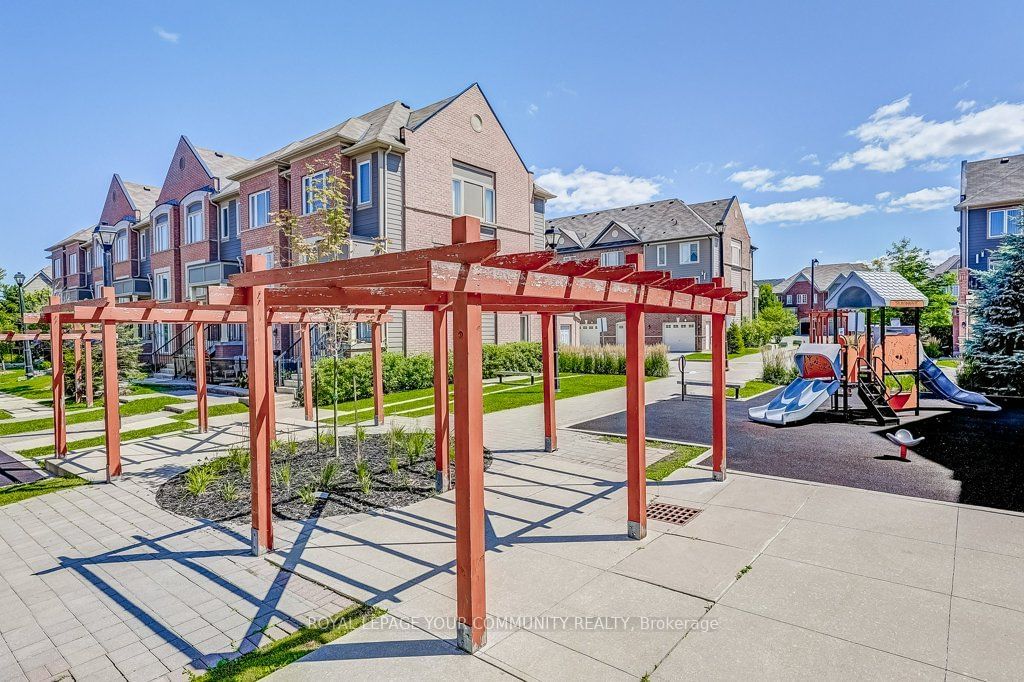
<point x="704" y="240"/>
<point x="408" y="171"/>
<point x="795" y="290"/>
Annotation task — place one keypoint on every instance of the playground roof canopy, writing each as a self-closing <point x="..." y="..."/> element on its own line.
<point x="873" y="289"/>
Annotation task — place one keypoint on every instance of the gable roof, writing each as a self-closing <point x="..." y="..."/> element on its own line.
<point x="825" y="275"/>
<point x="875" y="289"/>
<point x="650" y="222"/>
<point x="992" y="181"/>
<point x="142" y="197"/>
<point x="80" y="236"/>
<point x="948" y="265"/>
<point x="45" y="274"/>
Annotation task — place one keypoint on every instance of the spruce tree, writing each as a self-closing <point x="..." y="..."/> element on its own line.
<point x="994" y="355"/>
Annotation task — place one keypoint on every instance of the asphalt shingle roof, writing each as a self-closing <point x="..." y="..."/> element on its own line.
<point x="825" y="275"/>
<point x="948" y="265"/>
<point x="885" y="288"/>
<point x="651" y="222"/>
<point x="993" y="181"/>
<point x="143" y="196"/>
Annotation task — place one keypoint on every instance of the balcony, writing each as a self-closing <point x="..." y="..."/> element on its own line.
<point x="210" y="274"/>
<point x="133" y="287"/>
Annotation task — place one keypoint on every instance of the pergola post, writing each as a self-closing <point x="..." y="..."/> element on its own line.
<point x="201" y="401"/>
<point x="636" y="425"/>
<point x="547" y="354"/>
<point x="470" y="544"/>
<point x="60" y="436"/>
<point x="89" y="396"/>
<point x="260" y="397"/>
<point x="442" y="479"/>
<point x="307" y="371"/>
<point x="271" y="374"/>
<point x="378" y="374"/>
<point x="78" y="367"/>
<point x="111" y="404"/>
<point x="718" y="349"/>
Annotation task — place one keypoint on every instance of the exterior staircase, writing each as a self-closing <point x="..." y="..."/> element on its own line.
<point x="872" y="393"/>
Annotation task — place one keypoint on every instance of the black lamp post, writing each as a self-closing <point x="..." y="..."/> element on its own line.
<point x="106" y="235"/>
<point x="814" y="294"/>
<point x="551" y="242"/>
<point x="26" y="347"/>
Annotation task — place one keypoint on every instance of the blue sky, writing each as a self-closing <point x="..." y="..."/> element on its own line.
<point x="839" y="125"/>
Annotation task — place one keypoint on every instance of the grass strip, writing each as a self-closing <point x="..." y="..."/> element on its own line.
<point x="23" y="491"/>
<point x="754" y="387"/>
<point x="706" y="357"/>
<point x="4" y="414"/>
<point x="130" y="409"/>
<point x="13" y="382"/>
<point x="681" y="456"/>
<point x="96" y="441"/>
<point x="258" y="664"/>
<point x="952" y="364"/>
<point x="213" y="411"/>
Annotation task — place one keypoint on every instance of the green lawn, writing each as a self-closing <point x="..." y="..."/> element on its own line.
<point x="23" y="491"/>
<point x="706" y="357"/>
<point x="13" y="382"/>
<point x="949" y="362"/>
<point x="4" y="414"/>
<point x="213" y="411"/>
<point x="755" y="386"/>
<point x="680" y="457"/>
<point x="135" y="407"/>
<point x="258" y="664"/>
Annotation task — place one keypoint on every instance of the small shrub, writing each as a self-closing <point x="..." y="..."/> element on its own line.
<point x="393" y="463"/>
<point x="610" y="360"/>
<point x="291" y="447"/>
<point x="364" y="476"/>
<point x="198" y="479"/>
<point x="932" y="349"/>
<point x="229" y="492"/>
<point x="395" y="437"/>
<point x="328" y="473"/>
<point x="734" y="339"/>
<point x="276" y="445"/>
<point x="283" y="475"/>
<point x="416" y="444"/>
<point x="327" y="439"/>
<point x="359" y="433"/>
<point x="307" y="494"/>
<point x="240" y="460"/>
<point x="777" y="366"/>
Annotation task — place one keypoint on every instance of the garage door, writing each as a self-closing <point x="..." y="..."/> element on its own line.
<point x="590" y="335"/>
<point x="679" y="336"/>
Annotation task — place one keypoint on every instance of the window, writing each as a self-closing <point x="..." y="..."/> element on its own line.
<point x="789" y="299"/>
<point x="194" y="223"/>
<point x="229" y="220"/>
<point x="364" y="333"/>
<point x="473" y="193"/>
<point x="736" y="247"/>
<point x="313" y="187"/>
<point x="144" y="244"/>
<point x="689" y="252"/>
<point x="662" y="252"/>
<point x="161" y="234"/>
<point x="121" y="247"/>
<point x="364" y="182"/>
<point x="259" y="208"/>
<point x="73" y="264"/>
<point x="58" y="267"/>
<point x="801" y="299"/>
<point x="1004" y="221"/>
<point x="162" y="286"/>
<point x="612" y="258"/>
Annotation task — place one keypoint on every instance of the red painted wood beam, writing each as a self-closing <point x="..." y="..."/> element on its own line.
<point x="612" y="273"/>
<point x="60" y="435"/>
<point x="378" y="374"/>
<point x="470" y="545"/>
<point x="738" y="296"/>
<point x="111" y="390"/>
<point x="307" y="370"/>
<point x="201" y="397"/>
<point x="442" y="480"/>
<point x="571" y="268"/>
<point x="78" y="368"/>
<point x="547" y="355"/>
<point x="678" y="283"/>
<point x="259" y="413"/>
<point x="650" y="277"/>
<point x="529" y="260"/>
<point x="89" y="393"/>
<point x="636" y="425"/>
<point x="369" y="296"/>
<point x="271" y="380"/>
<point x="718" y="407"/>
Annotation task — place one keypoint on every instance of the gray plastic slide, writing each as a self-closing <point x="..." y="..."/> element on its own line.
<point x="797" y="402"/>
<point x="938" y="383"/>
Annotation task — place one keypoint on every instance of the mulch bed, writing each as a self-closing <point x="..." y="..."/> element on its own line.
<point x="412" y="483"/>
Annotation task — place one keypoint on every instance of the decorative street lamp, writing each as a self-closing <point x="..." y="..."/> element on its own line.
<point x="551" y="242"/>
<point x="814" y="293"/>
<point x="106" y="235"/>
<point x="26" y="347"/>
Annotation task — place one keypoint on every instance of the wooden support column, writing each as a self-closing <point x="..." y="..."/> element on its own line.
<point x="78" y="369"/>
<point x="89" y="394"/>
<point x="111" y="390"/>
<point x="547" y="355"/>
<point x="60" y="436"/>
<point x="378" y="374"/>
<point x="718" y="350"/>
<point x="442" y="479"/>
<point x="470" y="544"/>
<point x="201" y="401"/>
<point x="636" y="425"/>
<point x="307" y="370"/>
<point x="260" y="398"/>
<point x="271" y="372"/>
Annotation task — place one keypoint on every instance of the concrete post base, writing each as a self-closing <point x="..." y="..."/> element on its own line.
<point x="635" y="530"/>
<point x="464" y="638"/>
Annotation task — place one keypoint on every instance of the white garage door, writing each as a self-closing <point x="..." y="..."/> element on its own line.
<point x="590" y="335"/>
<point x="679" y="336"/>
<point x="620" y="333"/>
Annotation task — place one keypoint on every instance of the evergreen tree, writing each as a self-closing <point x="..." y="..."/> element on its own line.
<point x="994" y="355"/>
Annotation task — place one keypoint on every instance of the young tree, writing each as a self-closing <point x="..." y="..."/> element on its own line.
<point x="994" y="355"/>
<point x="776" y="322"/>
<point x="912" y="262"/>
<point x="10" y="313"/>
<point x="767" y="298"/>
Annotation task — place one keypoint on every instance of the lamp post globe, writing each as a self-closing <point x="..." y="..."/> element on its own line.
<point x="19" y="279"/>
<point x="106" y="234"/>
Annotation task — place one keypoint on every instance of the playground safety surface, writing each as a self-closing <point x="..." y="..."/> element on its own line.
<point x="967" y="456"/>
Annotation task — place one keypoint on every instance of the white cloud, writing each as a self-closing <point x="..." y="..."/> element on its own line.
<point x="882" y="196"/>
<point x="928" y="199"/>
<point x="965" y="105"/>
<point x="811" y="159"/>
<point x="729" y="165"/>
<point x="934" y="165"/>
<point x="760" y="180"/>
<point x="804" y="210"/>
<point x="589" y="190"/>
<point x="894" y="138"/>
<point x="166" y="36"/>
<point x="939" y="255"/>
<point x="532" y="109"/>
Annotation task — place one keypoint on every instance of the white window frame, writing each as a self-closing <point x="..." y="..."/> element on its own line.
<point x="789" y="299"/>
<point x="73" y="264"/>
<point x="158" y="277"/>
<point x="307" y="186"/>
<point x="225" y="220"/>
<point x="686" y="250"/>
<point x="368" y="183"/>
<point x="1006" y="222"/>
<point x="165" y="243"/>
<point x="194" y="228"/>
<point x="253" y="208"/>
<point x="143" y="244"/>
<point x="801" y="299"/>
<point x="490" y="198"/>
<point x="661" y="252"/>
<point x="606" y="258"/>
<point x="58" y="266"/>
<point x="121" y="249"/>
<point x="736" y="251"/>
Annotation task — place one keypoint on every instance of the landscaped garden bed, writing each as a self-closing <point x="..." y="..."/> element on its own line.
<point x="388" y="470"/>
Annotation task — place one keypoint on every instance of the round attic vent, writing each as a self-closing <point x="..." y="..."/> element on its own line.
<point x="476" y="122"/>
<point x="615" y="233"/>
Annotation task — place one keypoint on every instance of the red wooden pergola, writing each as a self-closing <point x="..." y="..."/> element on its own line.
<point x="459" y="281"/>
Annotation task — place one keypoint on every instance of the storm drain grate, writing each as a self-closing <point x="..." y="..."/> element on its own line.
<point x="671" y="513"/>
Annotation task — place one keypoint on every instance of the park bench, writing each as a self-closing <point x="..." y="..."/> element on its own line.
<point x="501" y="376"/>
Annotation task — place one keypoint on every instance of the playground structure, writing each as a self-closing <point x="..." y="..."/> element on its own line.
<point x="883" y="361"/>
<point x="457" y="283"/>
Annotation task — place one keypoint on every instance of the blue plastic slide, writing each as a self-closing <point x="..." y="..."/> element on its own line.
<point x="938" y="383"/>
<point x="818" y="381"/>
